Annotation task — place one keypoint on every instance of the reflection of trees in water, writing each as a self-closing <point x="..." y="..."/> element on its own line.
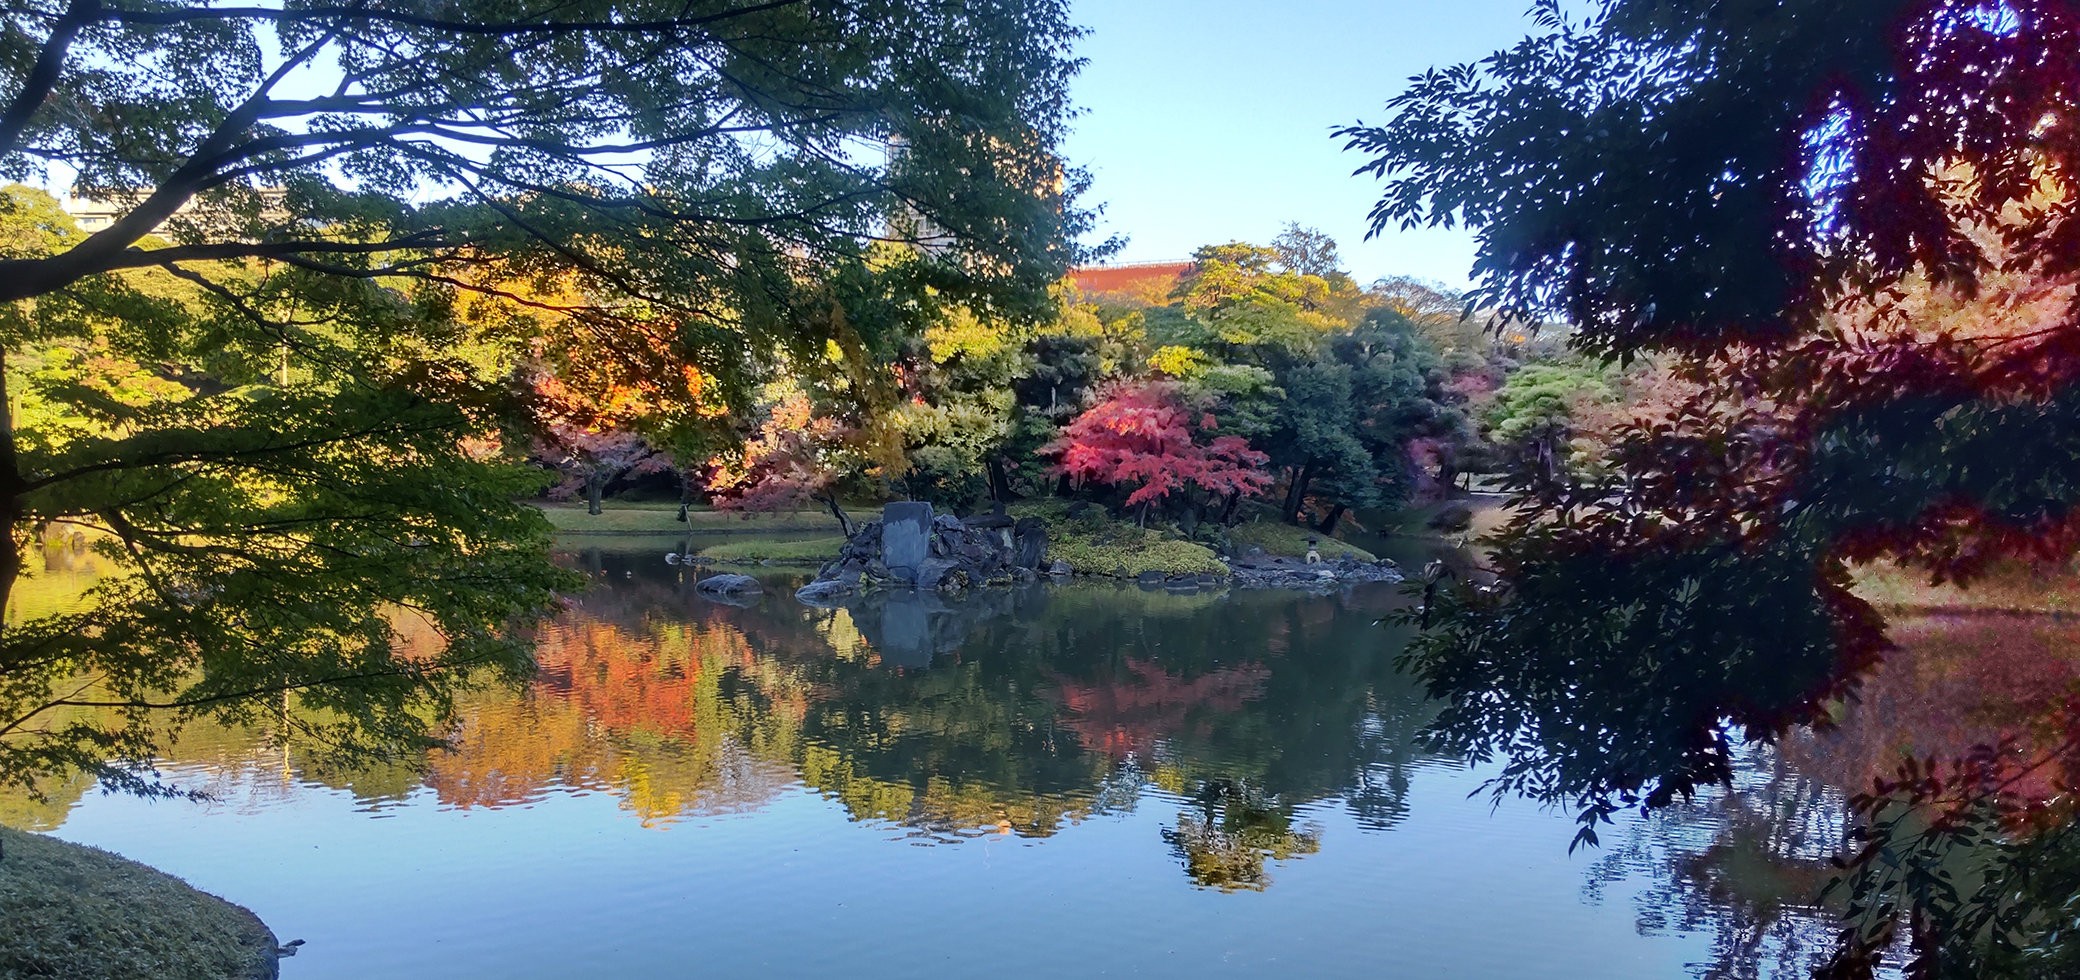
<point x="1019" y="711"/>
<point x="1744" y="865"/>
<point x="1956" y="681"/>
<point x="677" y="718"/>
<point x="1236" y="829"/>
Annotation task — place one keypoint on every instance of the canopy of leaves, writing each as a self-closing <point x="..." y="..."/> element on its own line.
<point x="1852" y="221"/>
<point x="354" y="246"/>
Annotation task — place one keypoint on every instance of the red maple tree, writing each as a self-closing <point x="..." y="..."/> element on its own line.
<point x="1151" y="437"/>
<point x="792" y="461"/>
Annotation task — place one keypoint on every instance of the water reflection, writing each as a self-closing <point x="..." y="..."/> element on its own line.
<point x="1014" y="712"/>
<point x="1251" y="727"/>
<point x="1741" y="866"/>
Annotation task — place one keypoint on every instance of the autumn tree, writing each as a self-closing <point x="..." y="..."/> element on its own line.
<point x="343" y="236"/>
<point x="1144" y="438"/>
<point x="798" y="457"/>
<point x="1752" y="188"/>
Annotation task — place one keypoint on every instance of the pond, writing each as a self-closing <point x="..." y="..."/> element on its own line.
<point x="1076" y="780"/>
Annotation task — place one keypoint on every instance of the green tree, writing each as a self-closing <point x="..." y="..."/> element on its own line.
<point x="1533" y="415"/>
<point x="276" y="386"/>
<point x="1316" y="439"/>
<point x="1402" y="404"/>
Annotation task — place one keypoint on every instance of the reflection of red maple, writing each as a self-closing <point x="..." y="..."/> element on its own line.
<point x="1957" y="681"/>
<point x="1130" y="715"/>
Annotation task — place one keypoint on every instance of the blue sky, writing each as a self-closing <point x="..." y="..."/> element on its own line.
<point x="1209" y="121"/>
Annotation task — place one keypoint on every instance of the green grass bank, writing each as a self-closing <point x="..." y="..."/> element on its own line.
<point x="620" y="517"/>
<point x="70" y="912"/>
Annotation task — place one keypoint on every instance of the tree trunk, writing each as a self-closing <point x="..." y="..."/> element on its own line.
<point x="10" y="502"/>
<point x="1228" y="512"/>
<point x="595" y="488"/>
<point x="1328" y="524"/>
<point x="844" y="522"/>
<point x="1296" y="495"/>
<point x="1000" y="481"/>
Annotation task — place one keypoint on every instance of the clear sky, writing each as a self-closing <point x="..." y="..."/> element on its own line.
<point x="1208" y="121"/>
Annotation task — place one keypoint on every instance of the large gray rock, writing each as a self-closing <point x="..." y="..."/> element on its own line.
<point x="728" y="584"/>
<point x="940" y="573"/>
<point x="823" y="592"/>
<point x="1029" y="542"/>
<point x="906" y="534"/>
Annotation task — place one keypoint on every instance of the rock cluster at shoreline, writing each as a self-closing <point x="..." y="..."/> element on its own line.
<point x="910" y="547"/>
<point x="1278" y="572"/>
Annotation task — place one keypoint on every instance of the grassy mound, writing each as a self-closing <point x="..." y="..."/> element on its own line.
<point x="1095" y="544"/>
<point x="2007" y="587"/>
<point x="78" y="913"/>
<point x="1280" y="538"/>
<point x="772" y="549"/>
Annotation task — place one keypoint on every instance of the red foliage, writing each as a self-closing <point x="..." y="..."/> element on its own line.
<point x="1146" y="436"/>
<point x="1130" y="713"/>
<point x="787" y="465"/>
<point x="590" y="459"/>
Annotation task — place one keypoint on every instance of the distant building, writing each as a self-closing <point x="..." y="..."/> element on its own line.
<point x="94" y="214"/>
<point x="1146" y="281"/>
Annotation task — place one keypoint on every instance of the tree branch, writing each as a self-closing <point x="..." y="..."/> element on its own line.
<point x="400" y="19"/>
<point x="44" y="76"/>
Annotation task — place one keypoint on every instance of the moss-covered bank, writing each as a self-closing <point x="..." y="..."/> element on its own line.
<point x="1095" y="544"/>
<point x="1091" y="541"/>
<point x="653" y="518"/>
<point x="1279" y="538"/>
<point x="70" y="912"/>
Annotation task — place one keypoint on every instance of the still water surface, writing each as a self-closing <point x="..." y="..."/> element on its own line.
<point x="1062" y="781"/>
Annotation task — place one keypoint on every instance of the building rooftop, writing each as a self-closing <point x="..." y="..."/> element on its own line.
<point x="1151" y="281"/>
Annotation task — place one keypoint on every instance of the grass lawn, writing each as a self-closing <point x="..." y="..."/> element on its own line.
<point x="650" y="517"/>
<point x="77" y="913"/>
<point x="776" y="549"/>
<point x="1280" y="538"/>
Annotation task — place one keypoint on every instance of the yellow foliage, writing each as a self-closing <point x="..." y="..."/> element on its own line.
<point x="1179" y="362"/>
